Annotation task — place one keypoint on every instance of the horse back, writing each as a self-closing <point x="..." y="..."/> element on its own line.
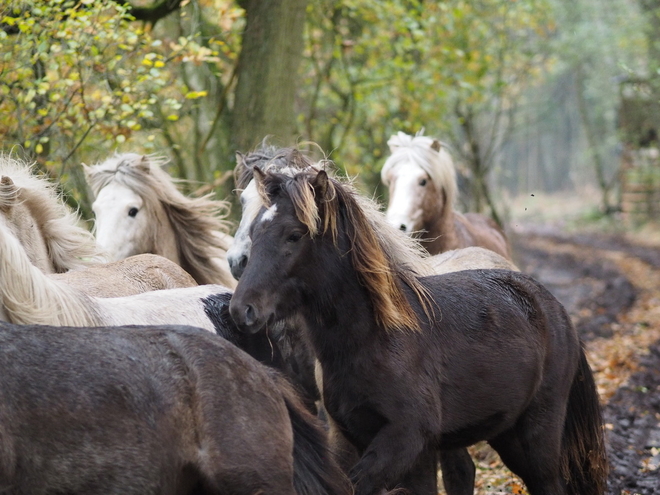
<point x="474" y="229"/>
<point x="137" y="410"/>
<point x="496" y="339"/>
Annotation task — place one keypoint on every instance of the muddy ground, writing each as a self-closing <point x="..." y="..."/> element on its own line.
<point x="611" y="288"/>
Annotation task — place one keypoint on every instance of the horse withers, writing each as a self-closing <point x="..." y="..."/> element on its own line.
<point x="416" y="368"/>
<point x="137" y="410"/>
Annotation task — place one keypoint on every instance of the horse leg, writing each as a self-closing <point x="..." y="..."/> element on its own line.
<point x="344" y="451"/>
<point x="423" y="476"/>
<point x="390" y="456"/>
<point x="457" y="471"/>
<point x="532" y="451"/>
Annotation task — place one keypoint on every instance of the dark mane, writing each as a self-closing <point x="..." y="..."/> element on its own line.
<point x="268" y="157"/>
<point x="384" y="259"/>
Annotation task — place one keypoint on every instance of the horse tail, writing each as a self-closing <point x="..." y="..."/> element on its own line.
<point x="315" y="470"/>
<point x="584" y="459"/>
<point x="29" y="296"/>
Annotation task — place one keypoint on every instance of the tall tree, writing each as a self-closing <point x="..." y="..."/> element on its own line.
<point x="267" y="71"/>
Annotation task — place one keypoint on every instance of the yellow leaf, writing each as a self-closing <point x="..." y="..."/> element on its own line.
<point x="193" y="95"/>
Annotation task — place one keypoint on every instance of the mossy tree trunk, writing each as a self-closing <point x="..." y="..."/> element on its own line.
<point x="268" y="72"/>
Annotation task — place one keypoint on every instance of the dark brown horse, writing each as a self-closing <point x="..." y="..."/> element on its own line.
<point x="415" y="369"/>
<point x="151" y="410"/>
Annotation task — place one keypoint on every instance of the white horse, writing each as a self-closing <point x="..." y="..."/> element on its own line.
<point x="421" y="178"/>
<point x="139" y="209"/>
<point x="48" y="230"/>
<point x="43" y="223"/>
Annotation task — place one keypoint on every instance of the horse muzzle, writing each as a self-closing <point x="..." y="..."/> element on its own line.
<point x="237" y="265"/>
<point x="247" y="316"/>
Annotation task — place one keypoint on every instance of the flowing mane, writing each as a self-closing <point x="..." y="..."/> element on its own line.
<point x="198" y="222"/>
<point x="29" y="296"/>
<point x="69" y="245"/>
<point x="384" y="259"/>
<point x="419" y="150"/>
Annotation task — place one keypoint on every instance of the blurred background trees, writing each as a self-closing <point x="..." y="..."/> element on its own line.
<point x="526" y="93"/>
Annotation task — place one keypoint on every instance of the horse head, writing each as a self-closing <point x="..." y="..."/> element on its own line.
<point x="313" y="236"/>
<point x="139" y="209"/>
<point x="282" y="240"/>
<point x="123" y="225"/>
<point x="264" y="158"/>
<point x="16" y="216"/>
<point x="421" y="179"/>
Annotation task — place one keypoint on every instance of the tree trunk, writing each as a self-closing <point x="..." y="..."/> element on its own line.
<point x="268" y="72"/>
<point x="592" y="140"/>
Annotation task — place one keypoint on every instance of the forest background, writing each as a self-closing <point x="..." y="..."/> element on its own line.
<point x="527" y="93"/>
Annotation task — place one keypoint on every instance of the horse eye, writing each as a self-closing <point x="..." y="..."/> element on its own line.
<point x="132" y="212"/>
<point x="422" y="182"/>
<point x="295" y="237"/>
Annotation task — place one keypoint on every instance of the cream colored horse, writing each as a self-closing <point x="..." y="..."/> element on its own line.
<point x="48" y="230"/>
<point x="139" y="209"/>
<point x="421" y="178"/>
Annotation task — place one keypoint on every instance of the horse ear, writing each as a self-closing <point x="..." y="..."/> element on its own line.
<point x="435" y="145"/>
<point x="143" y="165"/>
<point x="259" y="177"/>
<point x="8" y="193"/>
<point x="239" y="169"/>
<point x="320" y="184"/>
<point x="240" y="160"/>
<point x="87" y="170"/>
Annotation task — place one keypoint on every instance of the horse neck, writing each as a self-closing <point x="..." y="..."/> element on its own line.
<point x="164" y="238"/>
<point x="339" y="314"/>
<point x="439" y="230"/>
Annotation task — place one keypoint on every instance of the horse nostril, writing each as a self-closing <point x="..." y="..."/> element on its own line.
<point x="402" y="228"/>
<point x="250" y="315"/>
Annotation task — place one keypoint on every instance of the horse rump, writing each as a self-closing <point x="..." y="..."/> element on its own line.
<point x="167" y="410"/>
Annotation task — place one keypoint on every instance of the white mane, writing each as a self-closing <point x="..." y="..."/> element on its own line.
<point x="199" y="223"/>
<point x="29" y="296"/>
<point x="417" y="149"/>
<point x="69" y="246"/>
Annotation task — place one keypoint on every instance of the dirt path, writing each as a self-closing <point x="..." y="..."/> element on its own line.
<point x="611" y="288"/>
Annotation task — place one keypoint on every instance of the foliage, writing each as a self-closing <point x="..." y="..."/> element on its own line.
<point x="78" y="78"/>
<point x="379" y="67"/>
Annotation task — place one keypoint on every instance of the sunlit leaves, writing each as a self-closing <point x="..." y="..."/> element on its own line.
<point x="375" y="67"/>
<point x="82" y="74"/>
